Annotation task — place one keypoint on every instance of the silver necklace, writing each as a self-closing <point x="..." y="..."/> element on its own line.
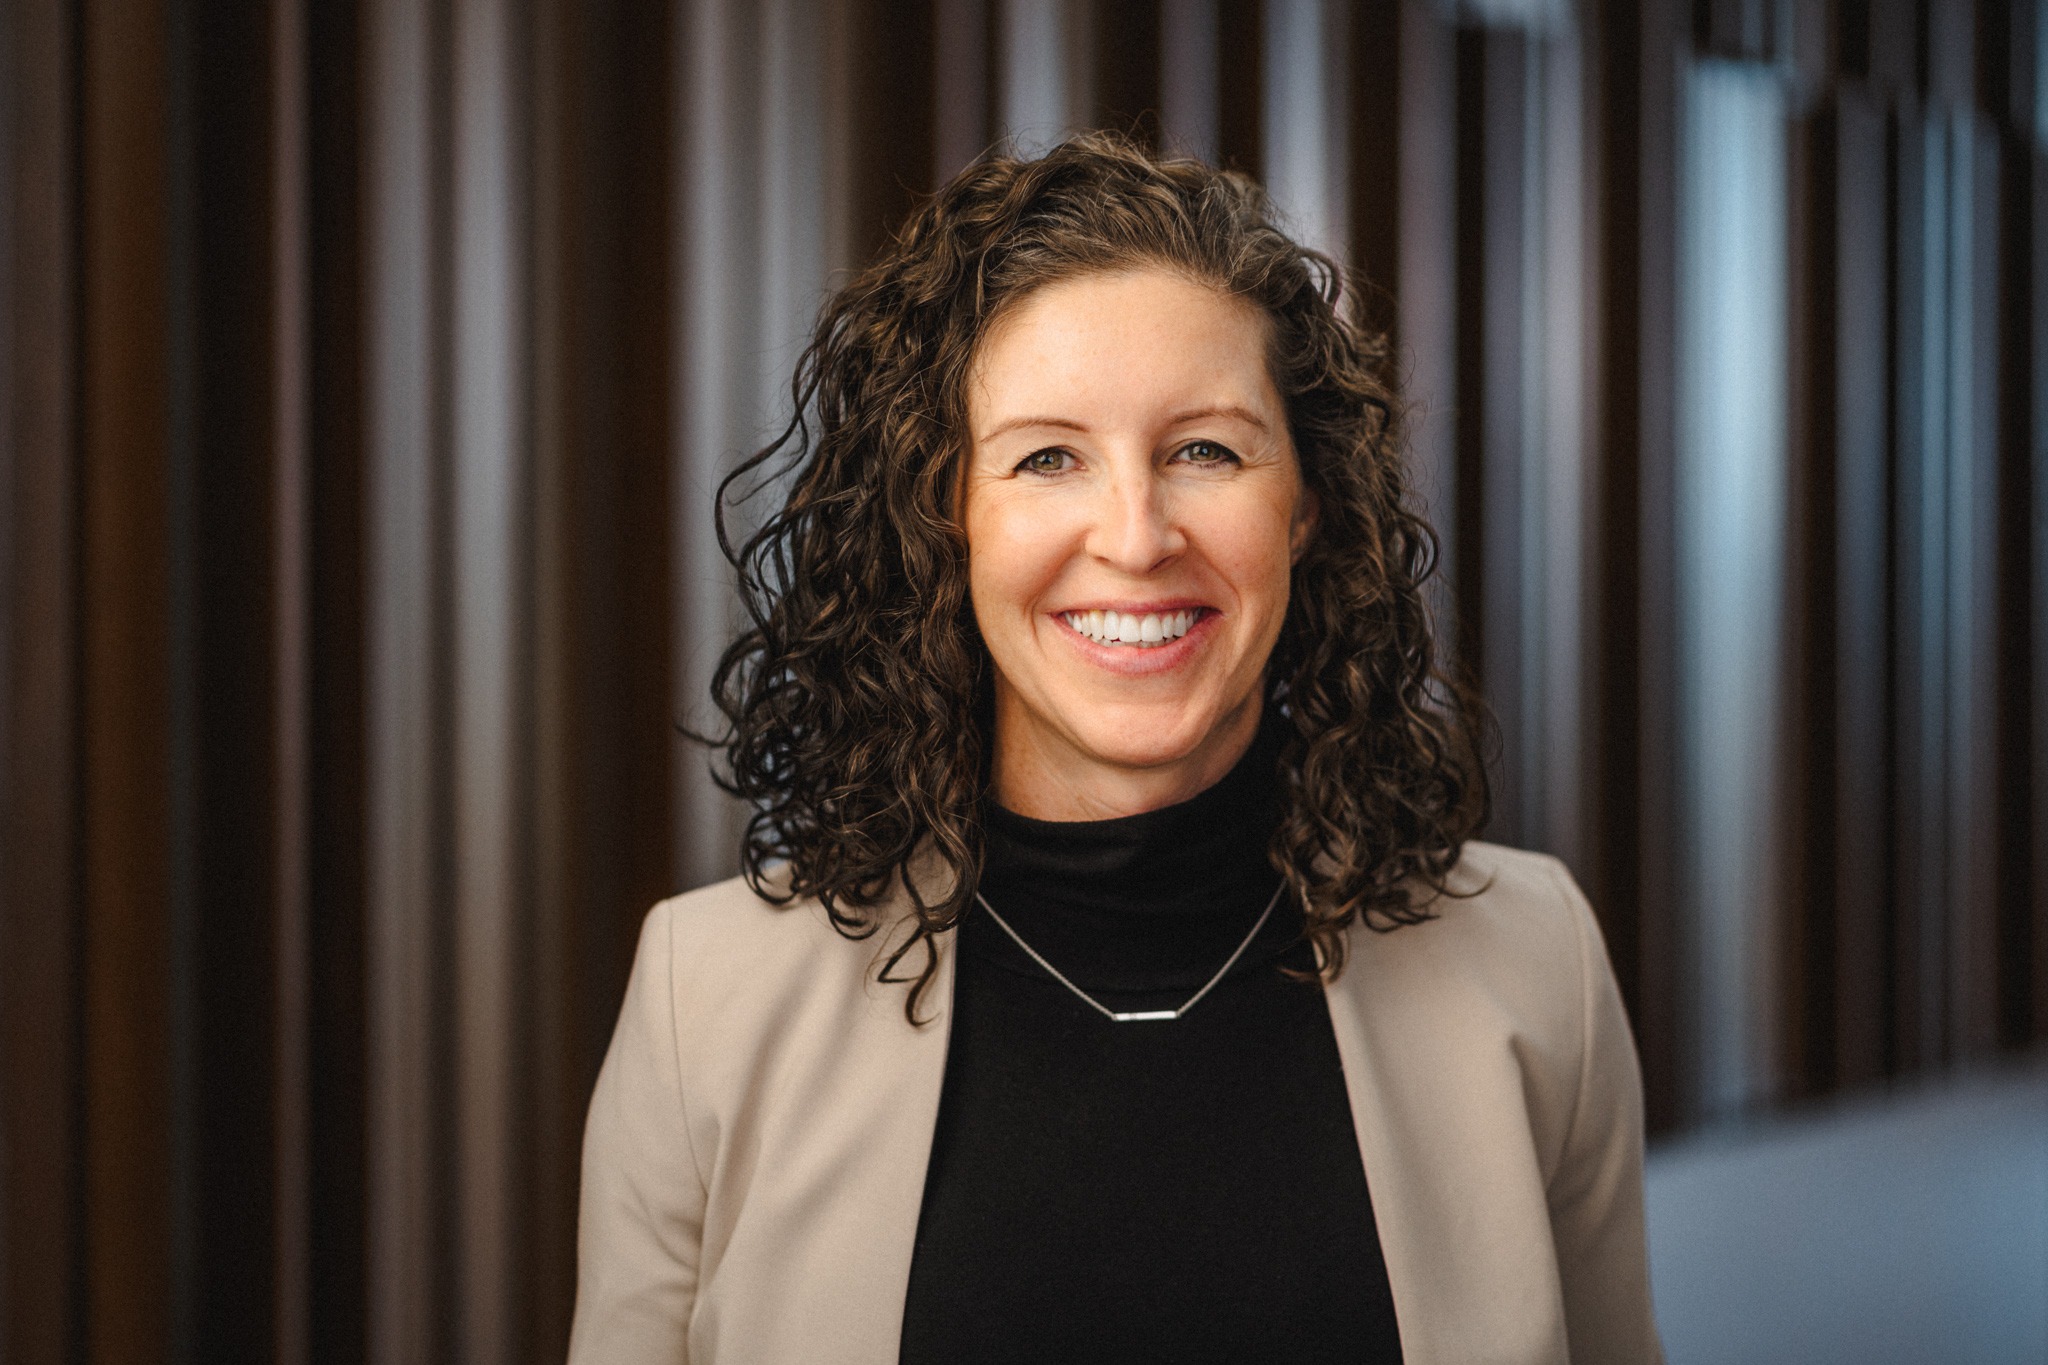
<point x="1137" y="1016"/>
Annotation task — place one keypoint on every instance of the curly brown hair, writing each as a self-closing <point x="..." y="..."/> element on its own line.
<point x="860" y="733"/>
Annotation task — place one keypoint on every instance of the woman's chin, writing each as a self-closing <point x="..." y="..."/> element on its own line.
<point x="1112" y="747"/>
<point x="1145" y="742"/>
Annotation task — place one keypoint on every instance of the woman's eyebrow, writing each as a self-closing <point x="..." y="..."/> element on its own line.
<point x="1242" y="414"/>
<point x="1065" y="423"/>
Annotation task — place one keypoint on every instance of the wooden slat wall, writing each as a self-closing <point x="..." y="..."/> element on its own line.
<point x="366" y="367"/>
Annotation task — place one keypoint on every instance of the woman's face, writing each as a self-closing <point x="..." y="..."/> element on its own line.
<point x="1133" y="506"/>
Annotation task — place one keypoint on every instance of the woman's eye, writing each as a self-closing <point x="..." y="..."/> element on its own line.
<point x="1044" y="462"/>
<point x="1206" y="452"/>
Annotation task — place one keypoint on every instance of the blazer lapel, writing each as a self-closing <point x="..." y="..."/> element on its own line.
<point x="1438" y="1104"/>
<point x="811" y="1258"/>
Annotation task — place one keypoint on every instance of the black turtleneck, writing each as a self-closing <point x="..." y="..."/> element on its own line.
<point x="1180" y="1191"/>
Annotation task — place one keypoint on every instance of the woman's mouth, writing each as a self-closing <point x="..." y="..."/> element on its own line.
<point x="1147" y="631"/>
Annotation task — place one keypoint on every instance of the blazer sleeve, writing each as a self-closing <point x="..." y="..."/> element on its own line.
<point x="640" y="1224"/>
<point x="1596" y="1192"/>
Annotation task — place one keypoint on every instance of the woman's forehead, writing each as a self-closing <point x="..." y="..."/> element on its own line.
<point x="1106" y="343"/>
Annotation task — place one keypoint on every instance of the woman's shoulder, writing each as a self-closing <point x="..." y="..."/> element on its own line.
<point x="730" y="951"/>
<point x="735" y="924"/>
<point x="1517" y="882"/>
<point x="1497" y="890"/>
<point x="740" y="988"/>
<point x="1510" y="925"/>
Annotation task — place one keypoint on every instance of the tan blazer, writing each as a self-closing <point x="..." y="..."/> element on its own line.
<point x="755" y="1156"/>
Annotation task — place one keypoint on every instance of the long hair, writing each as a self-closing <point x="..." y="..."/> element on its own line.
<point x="857" y="702"/>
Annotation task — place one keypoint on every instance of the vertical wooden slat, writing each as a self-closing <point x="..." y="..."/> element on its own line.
<point x="338" y="1004"/>
<point x="1045" y="73"/>
<point x="1970" y="643"/>
<point x="1495" y="412"/>
<point x="1805" y="1045"/>
<point x="406" y="820"/>
<point x="1649" y="426"/>
<point x="2003" y="59"/>
<point x="1189" y="78"/>
<point x="716" y="218"/>
<point x="1127" y="80"/>
<point x="603" y="726"/>
<point x="1737" y="29"/>
<point x="1858" y="781"/>
<point x="1560" y="342"/>
<point x="894" y="94"/>
<point x="1948" y="44"/>
<point x="490" y="589"/>
<point x="1732" y="483"/>
<point x="1424" y="275"/>
<point x="1468" y="358"/>
<point x="1920" y="967"/>
<point x="1640" y="47"/>
<point x="1607" y="858"/>
<point x="2008" y="55"/>
<point x="2037" y="608"/>
<point x="292" y="1230"/>
<point x="568" y="172"/>
<point x="792" y="96"/>
<point x="1240" y="85"/>
<point x="1376" y="177"/>
<point x="1896" y="55"/>
<point x="963" y="84"/>
<point x="1849" y="37"/>
<point x="630" y="802"/>
<point x="125" y="662"/>
<point x="224" y="439"/>
<point x="41" y="785"/>
<point x="1305" y="164"/>
<point x="2017" y="588"/>
<point x="1810" y="29"/>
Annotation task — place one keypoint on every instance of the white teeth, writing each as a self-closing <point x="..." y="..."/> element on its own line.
<point x="1122" y="628"/>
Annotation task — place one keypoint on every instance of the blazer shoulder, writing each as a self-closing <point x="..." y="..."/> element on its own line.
<point x="1495" y="889"/>
<point x="721" y="910"/>
<point x="733" y="952"/>
<point x="730" y="925"/>
<point x="1511" y="928"/>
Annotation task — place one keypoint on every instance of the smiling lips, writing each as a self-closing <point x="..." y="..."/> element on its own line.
<point x="1121" y="628"/>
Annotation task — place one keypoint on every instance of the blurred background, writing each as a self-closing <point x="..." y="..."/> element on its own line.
<point x="365" y="370"/>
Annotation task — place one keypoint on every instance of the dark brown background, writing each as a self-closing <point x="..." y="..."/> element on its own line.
<point x="363" y="368"/>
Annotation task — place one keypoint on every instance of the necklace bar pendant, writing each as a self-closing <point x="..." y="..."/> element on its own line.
<point x="1145" y="1016"/>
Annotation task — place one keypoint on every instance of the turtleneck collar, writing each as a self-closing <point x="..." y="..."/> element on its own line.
<point x="1149" y="902"/>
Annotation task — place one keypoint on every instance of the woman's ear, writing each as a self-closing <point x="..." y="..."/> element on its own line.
<point x="1307" y="509"/>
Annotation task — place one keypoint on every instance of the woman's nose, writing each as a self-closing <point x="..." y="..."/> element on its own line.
<point x="1135" y="530"/>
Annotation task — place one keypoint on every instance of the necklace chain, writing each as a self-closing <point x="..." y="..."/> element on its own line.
<point x="1137" y="1016"/>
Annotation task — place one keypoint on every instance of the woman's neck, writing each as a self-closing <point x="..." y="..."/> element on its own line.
<point x="1143" y="902"/>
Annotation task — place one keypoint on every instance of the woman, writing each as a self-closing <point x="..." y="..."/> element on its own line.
<point x="1114" y="975"/>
